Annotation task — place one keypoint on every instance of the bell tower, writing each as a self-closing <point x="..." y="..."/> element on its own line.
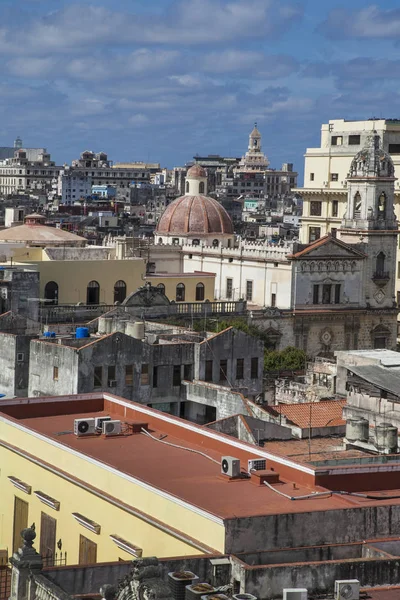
<point x="371" y="224"/>
<point x="255" y="140"/>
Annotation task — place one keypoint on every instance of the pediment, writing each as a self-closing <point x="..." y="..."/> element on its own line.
<point x="329" y="248"/>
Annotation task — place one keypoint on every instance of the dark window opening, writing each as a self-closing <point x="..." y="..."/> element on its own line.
<point x="180" y="292"/>
<point x="354" y="140"/>
<point x="119" y="291"/>
<point x="394" y="148"/>
<point x="155" y="377"/>
<point x="357" y="205"/>
<point x="316" y="294"/>
<point x="335" y="208"/>
<point x="380" y="263"/>
<point x="326" y="293"/>
<point x="254" y="368"/>
<point x="187" y="372"/>
<point x="223" y="366"/>
<point x="98" y="377"/>
<point x="144" y="375"/>
<point x="51" y="293"/>
<point x="111" y="375"/>
<point x="208" y="376"/>
<point x="273" y="300"/>
<point x="334" y="176"/>
<point x="200" y="292"/>
<point x="337" y="140"/>
<point x="93" y="293"/>
<point x="176" y="375"/>
<point x="128" y="374"/>
<point x="312" y="176"/>
<point x="314" y="234"/>
<point x="315" y="208"/>
<point x="337" y="293"/>
<point x="240" y="368"/>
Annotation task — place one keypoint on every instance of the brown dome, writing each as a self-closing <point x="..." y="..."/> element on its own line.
<point x="198" y="215"/>
<point x="196" y="171"/>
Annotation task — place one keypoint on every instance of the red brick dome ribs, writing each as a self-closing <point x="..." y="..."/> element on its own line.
<point x="198" y="215"/>
<point x="196" y="171"/>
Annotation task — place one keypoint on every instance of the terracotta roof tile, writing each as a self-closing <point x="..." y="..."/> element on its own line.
<point x="327" y="413"/>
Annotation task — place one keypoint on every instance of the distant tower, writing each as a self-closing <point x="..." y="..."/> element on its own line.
<point x="255" y="139"/>
<point x="18" y="143"/>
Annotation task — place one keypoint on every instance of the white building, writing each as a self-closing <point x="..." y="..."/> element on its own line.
<point x="73" y="184"/>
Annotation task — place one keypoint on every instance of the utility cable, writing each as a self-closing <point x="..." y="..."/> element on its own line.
<point x="180" y="447"/>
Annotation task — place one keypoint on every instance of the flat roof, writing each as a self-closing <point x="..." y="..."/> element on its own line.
<point x="185" y="472"/>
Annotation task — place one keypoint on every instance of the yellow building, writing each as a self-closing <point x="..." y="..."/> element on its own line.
<point x="102" y="498"/>
<point x="92" y="275"/>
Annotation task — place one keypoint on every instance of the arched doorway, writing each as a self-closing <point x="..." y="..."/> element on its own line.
<point x="119" y="291"/>
<point x="200" y="292"/>
<point x="93" y="293"/>
<point x="51" y="292"/>
<point x="180" y="292"/>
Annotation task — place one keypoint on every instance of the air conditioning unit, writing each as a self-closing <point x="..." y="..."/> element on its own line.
<point x="99" y="422"/>
<point x="295" y="594"/>
<point x="112" y="383"/>
<point x="347" y="589"/>
<point x="230" y="466"/>
<point x="84" y="427"/>
<point x="112" y="427"/>
<point x="256" y="464"/>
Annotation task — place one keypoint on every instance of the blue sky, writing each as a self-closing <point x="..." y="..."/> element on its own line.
<point x="162" y="80"/>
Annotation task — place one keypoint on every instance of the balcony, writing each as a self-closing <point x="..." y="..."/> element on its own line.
<point x="381" y="278"/>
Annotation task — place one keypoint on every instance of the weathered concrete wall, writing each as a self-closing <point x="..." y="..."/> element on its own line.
<point x="45" y="357"/>
<point x="226" y="402"/>
<point x="22" y="360"/>
<point x="8" y="346"/>
<point x="268" y="582"/>
<point x="231" y="345"/>
<point x="311" y="528"/>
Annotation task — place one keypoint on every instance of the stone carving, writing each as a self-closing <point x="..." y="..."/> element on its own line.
<point x="271" y="311"/>
<point x="144" y="582"/>
<point x="147" y="295"/>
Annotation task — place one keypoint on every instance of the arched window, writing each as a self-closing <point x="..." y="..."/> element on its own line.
<point x="187" y="187"/>
<point x="357" y="206"/>
<point x="215" y="243"/>
<point x="93" y="293"/>
<point x="161" y="287"/>
<point x="382" y="206"/>
<point x="119" y="291"/>
<point x="380" y="263"/>
<point x="180" y="292"/>
<point x="51" y="292"/>
<point x="196" y="243"/>
<point x="201" y="187"/>
<point x="160" y="240"/>
<point x="200" y="292"/>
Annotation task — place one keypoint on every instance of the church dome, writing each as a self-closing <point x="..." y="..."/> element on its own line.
<point x="372" y="160"/>
<point x="197" y="215"/>
<point x="196" y="171"/>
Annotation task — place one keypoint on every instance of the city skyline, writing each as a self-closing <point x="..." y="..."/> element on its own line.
<point x="167" y="80"/>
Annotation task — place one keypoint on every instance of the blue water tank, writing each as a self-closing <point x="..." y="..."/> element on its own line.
<point x="82" y="332"/>
<point x="52" y="334"/>
<point x="47" y="334"/>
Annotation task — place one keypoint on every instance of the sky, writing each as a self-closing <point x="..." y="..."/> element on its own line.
<point x="163" y="80"/>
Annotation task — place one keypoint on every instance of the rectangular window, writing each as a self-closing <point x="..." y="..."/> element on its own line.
<point x="354" y="140"/>
<point x="111" y="374"/>
<point x="229" y="288"/>
<point x="55" y="373"/>
<point x="334" y="176"/>
<point x="176" y="376"/>
<point x="337" y="140"/>
<point x="335" y="208"/>
<point x="209" y="370"/>
<point x="326" y="293"/>
<point x="128" y="374"/>
<point x="155" y="377"/>
<point x="312" y="176"/>
<point x="249" y="291"/>
<point x="334" y="232"/>
<point x="337" y="293"/>
<point x="273" y="299"/>
<point x="239" y="368"/>
<point x="144" y="375"/>
<point x="314" y="233"/>
<point x="315" y="208"/>
<point x="187" y="372"/>
<point x="20" y="357"/>
<point x="394" y="148"/>
<point x="223" y="366"/>
<point x="98" y="377"/>
<point x="316" y="294"/>
<point x="254" y="368"/>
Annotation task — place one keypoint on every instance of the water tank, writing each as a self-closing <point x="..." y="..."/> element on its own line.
<point x="47" y="334"/>
<point x="357" y="429"/>
<point x="82" y="332"/>
<point x="386" y="438"/>
<point x="105" y="325"/>
<point x="138" y="330"/>
<point x="52" y="334"/>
